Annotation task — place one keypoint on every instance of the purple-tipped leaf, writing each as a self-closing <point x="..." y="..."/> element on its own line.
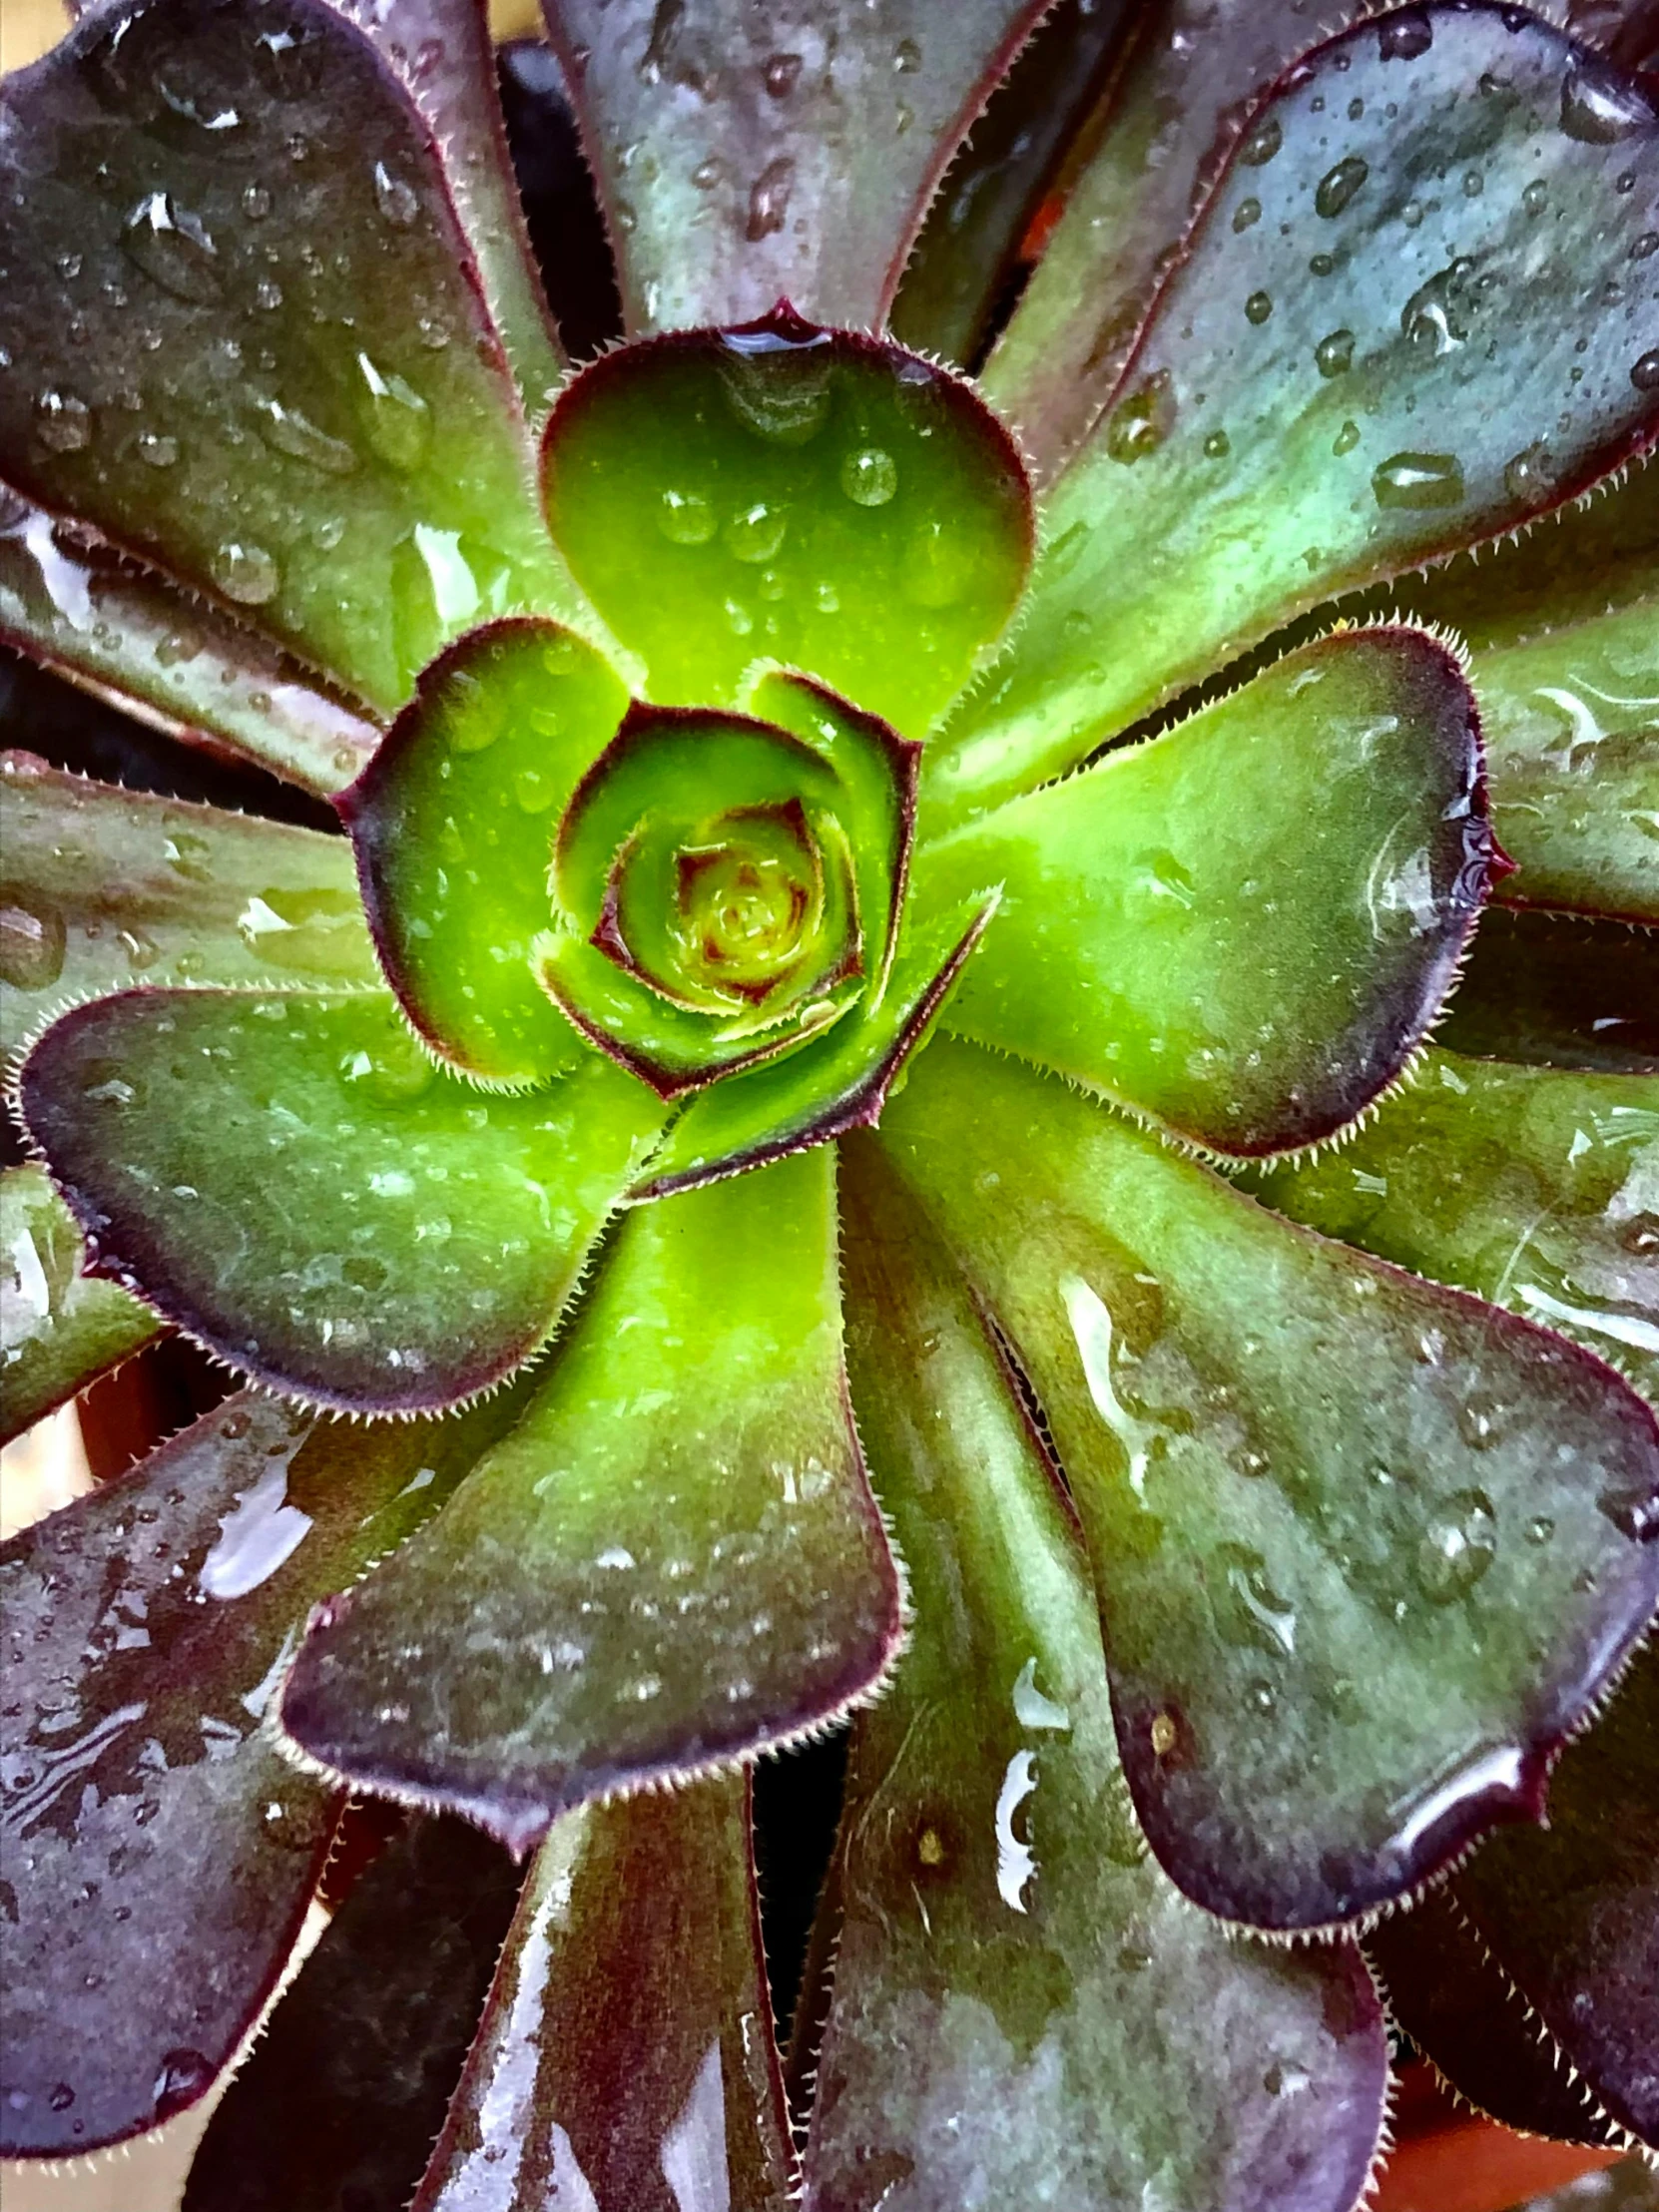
<point x="626" y="2056"/>
<point x="673" y="1560"/>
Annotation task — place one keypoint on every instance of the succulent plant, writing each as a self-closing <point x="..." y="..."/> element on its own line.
<point x="848" y="1137"/>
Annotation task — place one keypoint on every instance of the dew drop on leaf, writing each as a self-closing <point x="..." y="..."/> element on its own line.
<point x="1339" y="185"/>
<point x="395" y="198"/>
<point x="1407" y="35"/>
<point x="686" y="518"/>
<point x="1599" y="108"/>
<point x="156" y="451"/>
<point x="869" y="476"/>
<point x="1263" y="143"/>
<point x="1644" y="374"/>
<point x="756" y="532"/>
<point x="63" y="422"/>
<point x="1457" y="1548"/>
<point x="174" y="249"/>
<point x="244" y="572"/>
<point x="31" y="946"/>
<point x="1258" y="306"/>
<point x="1420" y="480"/>
<point x="1335" y="354"/>
<point x="781" y="73"/>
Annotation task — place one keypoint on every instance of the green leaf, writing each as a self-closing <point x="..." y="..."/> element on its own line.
<point x="102" y="888"/>
<point x="1381" y="370"/>
<point x="748" y="190"/>
<point x="453" y="824"/>
<point x="1249" y="974"/>
<point x="839" y="1082"/>
<point x="1535" y="1187"/>
<point x="1024" y="2011"/>
<point x="74" y="604"/>
<point x="61" y="1331"/>
<point x="673" y="1560"/>
<point x="1366" y="1549"/>
<point x="248" y="340"/>
<point x="789" y="493"/>
<point x="151" y="1817"/>
<point x="626" y="2056"/>
<point x="288" y="1177"/>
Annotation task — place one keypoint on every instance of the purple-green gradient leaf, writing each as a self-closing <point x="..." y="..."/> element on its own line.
<point x="1537" y="1188"/>
<point x="453" y="824"/>
<point x="1243" y="927"/>
<point x="338" y="2104"/>
<point x="1172" y="113"/>
<point x="167" y="656"/>
<point x="247" y="339"/>
<point x="782" y="492"/>
<point x="160" y="1852"/>
<point x="674" y="1560"/>
<point x="102" y="889"/>
<point x="1571" y="1912"/>
<point x="626" y="2060"/>
<point x="1024" y="2013"/>
<point x="1370" y="359"/>
<point x="443" y="54"/>
<point x="1366" y="1549"/>
<point x="59" y="1330"/>
<point x="750" y="154"/>
<point x="839" y="1083"/>
<point x="1555" y="990"/>
<point x="292" y="1179"/>
<point x="1466" y="2015"/>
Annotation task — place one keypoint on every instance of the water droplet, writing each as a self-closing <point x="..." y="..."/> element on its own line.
<point x="1263" y="143"/>
<point x="1339" y="185"/>
<point x="1420" y="480"/>
<point x="174" y="248"/>
<point x="399" y="422"/>
<point x="1480" y="1422"/>
<point x="1217" y="445"/>
<point x="707" y="174"/>
<point x="1457" y="1548"/>
<point x="686" y="518"/>
<point x="63" y="422"/>
<point x="1644" y="374"/>
<point x="1599" y="107"/>
<point x="289" y="432"/>
<point x="31" y="945"/>
<point x="781" y="73"/>
<point x="1248" y="213"/>
<point x="1335" y="354"/>
<point x="394" y="1071"/>
<point x="1531" y="475"/>
<point x="1249" y="1610"/>
<point x="1539" y="1529"/>
<point x="1645" y="246"/>
<point x="256" y="203"/>
<point x="1347" y="439"/>
<point x="1141" y="421"/>
<point x="534" y="791"/>
<point x="289" y="62"/>
<point x="768" y="198"/>
<point x="1286" y="2079"/>
<point x="1407" y="35"/>
<point x="184" y="2076"/>
<point x="244" y="572"/>
<point x="1258" y="306"/>
<point x="61" y="2097"/>
<point x="395" y="200"/>
<point x="1475" y="184"/>
<point x="1157" y="884"/>
<point x="869" y="476"/>
<point x="268" y="295"/>
<point x="756" y="532"/>
<point x="827" y="598"/>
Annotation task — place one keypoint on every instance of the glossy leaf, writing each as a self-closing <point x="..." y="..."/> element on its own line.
<point x="290" y="1179"/>
<point x="60" y="1330"/>
<point x="327" y="440"/>
<point x="442" y="52"/>
<point x="1452" y="1998"/>
<point x="172" y="658"/>
<point x="1024" y="2013"/>
<point x="746" y="155"/>
<point x="1533" y="1187"/>
<point x="1285" y="431"/>
<point x="453" y="824"/>
<point x="674" y="1560"/>
<point x="1571" y="1913"/>
<point x="102" y="888"/>
<point x="1313" y="1489"/>
<point x="626" y="2056"/>
<point x="338" y="2104"/>
<point x="787" y="493"/>
<point x="1559" y="992"/>
<point x="148" y="1817"/>
<point x="839" y="1083"/>
<point x="1251" y="974"/>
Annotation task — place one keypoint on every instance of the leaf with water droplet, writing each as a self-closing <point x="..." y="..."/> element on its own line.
<point x="675" y="1556"/>
<point x="1172" y="1329"/>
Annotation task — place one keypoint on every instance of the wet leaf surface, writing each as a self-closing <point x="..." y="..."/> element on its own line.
<point x="673" y="1558"/>
<point x="626" y="2056"/>
<point x="101" y="889"/>
<point x="61" y="1331"/>
<point x="340" y="2102"/>
<point x="750" y="155"/>
<point x="1251" y="974"/>
<point x="782" y="492"/>
<point x="289" y="1178"/>
<point x="1535" y="1187"/>
<point x="1557" y="991"/>
<point x="246" y="338"/>
<point x="1024" y="2011"/>
<point x="1378" y="365"/>
<point x="147" y="1815"/>
<point x="1367" y="1550"/>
